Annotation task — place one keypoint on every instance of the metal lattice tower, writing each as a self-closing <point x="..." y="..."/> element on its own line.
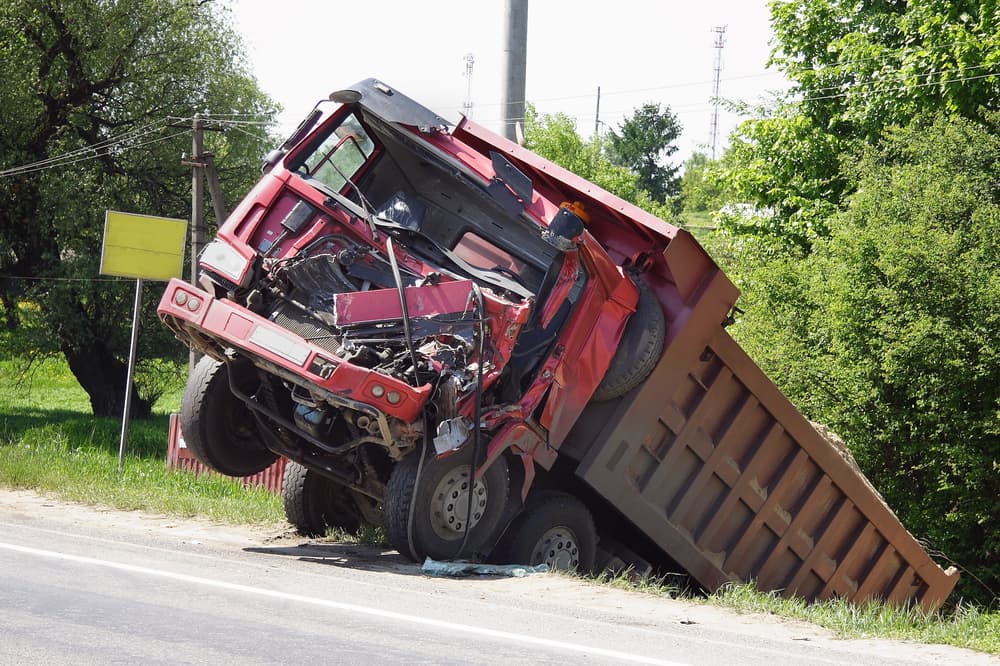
<point x="470" y="60"/>
<point x="720" y="41"/>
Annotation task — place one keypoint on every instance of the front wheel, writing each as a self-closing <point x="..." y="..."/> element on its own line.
<point x="218" y="428"/>
<point x="436" y="497"/>
<point x="555" y="529"/>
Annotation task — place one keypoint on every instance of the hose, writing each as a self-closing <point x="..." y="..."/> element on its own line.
<point x="407" y="334"/>
<point x="478" y="417"/>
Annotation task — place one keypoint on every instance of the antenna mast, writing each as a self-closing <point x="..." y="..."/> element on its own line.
<point x="720" y="41"/>
<point x="470" y="60"/>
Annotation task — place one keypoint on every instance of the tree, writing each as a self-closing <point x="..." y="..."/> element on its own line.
<point x="88" y="92"/>
<point x="643" y="142"/>
<point x="698" y="193"/>
<point x="554" y="137"/>
<point x="786" y="169"/>
<point x="861" y="67"/>
<point x="856" y="68"/>
<point x="889" y="332"/>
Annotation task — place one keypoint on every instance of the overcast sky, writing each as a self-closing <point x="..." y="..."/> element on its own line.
<point x="636" y="50"/>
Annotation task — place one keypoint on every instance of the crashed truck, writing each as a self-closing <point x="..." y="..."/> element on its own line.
<point x="450" y="336"/>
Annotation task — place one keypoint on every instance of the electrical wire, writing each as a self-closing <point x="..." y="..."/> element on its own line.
<point x="37" y="167"/>
<point x="89" y="151"/>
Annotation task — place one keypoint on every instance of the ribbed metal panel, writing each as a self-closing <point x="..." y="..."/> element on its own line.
<point x="179" y="457"/>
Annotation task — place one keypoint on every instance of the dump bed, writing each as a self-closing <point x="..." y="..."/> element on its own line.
<point x="714" y="464"/>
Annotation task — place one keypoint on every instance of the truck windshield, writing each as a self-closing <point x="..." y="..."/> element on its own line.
<point x="336" y="157"/>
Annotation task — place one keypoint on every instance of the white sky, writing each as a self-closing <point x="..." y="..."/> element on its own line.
<point x="635" y="50"/>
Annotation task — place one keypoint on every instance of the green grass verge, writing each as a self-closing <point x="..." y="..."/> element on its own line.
<point x="50" y="442"/>
<point x="962" y="626"/>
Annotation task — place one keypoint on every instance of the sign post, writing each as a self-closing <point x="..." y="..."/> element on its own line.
<point x="145" y="248"/>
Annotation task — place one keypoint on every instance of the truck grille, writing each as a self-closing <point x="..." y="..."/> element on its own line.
<point x="307" y="328"/>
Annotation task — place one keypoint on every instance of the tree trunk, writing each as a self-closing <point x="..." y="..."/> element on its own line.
<point x="103" y="377"/>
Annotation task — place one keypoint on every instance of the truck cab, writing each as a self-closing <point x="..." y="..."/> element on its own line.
<point x="397" y="290"/>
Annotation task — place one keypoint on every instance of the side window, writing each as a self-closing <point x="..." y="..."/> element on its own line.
<point x="339" y="156"/>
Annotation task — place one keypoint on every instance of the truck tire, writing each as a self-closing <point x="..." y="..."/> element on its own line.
<point x="314" y="503"/>
<point x="554" y="528"/>
<point x="218" y="428"/>
<point x="439" y="498"/>
<point x="639" y="349"/>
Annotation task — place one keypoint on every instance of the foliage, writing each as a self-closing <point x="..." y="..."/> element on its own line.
<point x="861" y="67"/>
<point x="856" y="68"/>
<point x="109" y="79"/>
<point x="554" y="137"/>
<point x="642" y="143"/>
<point x="786" y="170"/>
<point x="698" y="193"/>
<point x="889" y="332"/>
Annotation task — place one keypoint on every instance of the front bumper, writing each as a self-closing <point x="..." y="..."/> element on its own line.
<point x="195" y="315"/>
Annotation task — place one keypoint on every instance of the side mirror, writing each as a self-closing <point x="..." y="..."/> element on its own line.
<point x="566" y="227"/>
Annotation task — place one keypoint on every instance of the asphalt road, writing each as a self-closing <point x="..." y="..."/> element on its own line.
<point x="84" y="586"/>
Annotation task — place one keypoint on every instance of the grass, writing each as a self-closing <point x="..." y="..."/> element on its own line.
<point x="963" y="625"/>
<point x="50" y="442"/>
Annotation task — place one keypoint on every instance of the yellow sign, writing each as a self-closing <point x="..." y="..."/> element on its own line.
<point x="143" y="246"/>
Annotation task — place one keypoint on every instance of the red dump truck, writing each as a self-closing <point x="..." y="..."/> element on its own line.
<point x="450" y="336"/>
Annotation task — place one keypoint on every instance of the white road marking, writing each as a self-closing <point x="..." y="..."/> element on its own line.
<point x="341" y="606"/>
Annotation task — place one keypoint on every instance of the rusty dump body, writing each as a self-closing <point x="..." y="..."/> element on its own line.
<point x="712" y="462"/>
<point x="393" y="277"/>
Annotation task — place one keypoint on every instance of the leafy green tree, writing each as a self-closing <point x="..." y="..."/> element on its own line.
<point x="90" y="93"/>
<point x="860" y="67"/>
<point x="889" y="332"/>
<point x="554" y="137"/>
<point x="786" y="169"/>
<point x="643" y="143"/>
<point x="698" y="193"/>
<point x="856" y="69"/>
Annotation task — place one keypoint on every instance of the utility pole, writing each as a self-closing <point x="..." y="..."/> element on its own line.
<point x="202" y="167"/>
<point x="515" y="65"/>
<point x="720" y="41"/>
<point x="597" y="117"/>
<point x="470" y="60"/>
<point x="198" y="231"/>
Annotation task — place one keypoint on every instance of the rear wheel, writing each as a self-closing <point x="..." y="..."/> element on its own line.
<point x="218" y="428"/>
<point x="555" y="529"/>
<point x="437" y="494"/>
<point x="314" y="503"/>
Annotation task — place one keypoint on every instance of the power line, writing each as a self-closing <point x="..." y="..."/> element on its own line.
<point x="62" y="161"/>
<point x="137" y="132"/>
<point x="121" y="141"/>
<point x="62" y="279"/>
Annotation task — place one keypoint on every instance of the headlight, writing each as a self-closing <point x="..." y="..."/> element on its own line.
<point x="223" y="257"/>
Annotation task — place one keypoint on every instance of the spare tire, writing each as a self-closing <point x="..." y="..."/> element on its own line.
<point x="639" y="349"/>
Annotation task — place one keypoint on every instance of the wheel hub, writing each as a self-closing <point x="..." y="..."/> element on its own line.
<point x="451" y="504"/>
<point x="558" y="549"/>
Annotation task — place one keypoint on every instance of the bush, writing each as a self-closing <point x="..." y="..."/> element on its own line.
<point x="888" y="333"/>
